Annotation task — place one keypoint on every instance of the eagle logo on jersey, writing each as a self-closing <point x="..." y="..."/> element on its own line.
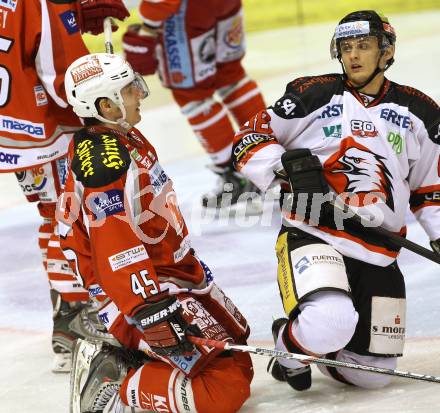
<point x="355" y="169"/>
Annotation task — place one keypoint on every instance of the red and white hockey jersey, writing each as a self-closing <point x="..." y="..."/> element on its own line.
<point x="38" y="41"/>
<point x="386" y="152"/>
<point x="125" y="237"/>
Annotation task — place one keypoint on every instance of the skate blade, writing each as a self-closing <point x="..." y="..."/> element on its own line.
<point x="83" y="354"/>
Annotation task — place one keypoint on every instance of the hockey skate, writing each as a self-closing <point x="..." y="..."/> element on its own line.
<point x="233" y="190"/>
<point x="97" y="373"/>
<point x="72" y="321"/>
<point x="63" y="339"/>
<point x="299" y="379"/>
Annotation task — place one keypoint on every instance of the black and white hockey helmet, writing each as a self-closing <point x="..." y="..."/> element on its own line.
<point x="361" y="24"/>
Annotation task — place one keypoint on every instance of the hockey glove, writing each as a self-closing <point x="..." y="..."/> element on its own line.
<point x="435" y="245"/>
<point x="139" y="44"/>
<point x="91" y="14"/>
<point x="165" y="327"/>
<point x="305" y="175"/>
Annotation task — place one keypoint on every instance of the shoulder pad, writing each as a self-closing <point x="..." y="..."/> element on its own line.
<point x="99" y="158"/>
<point x="425" y="108"/>
<point x="306" y="94"/>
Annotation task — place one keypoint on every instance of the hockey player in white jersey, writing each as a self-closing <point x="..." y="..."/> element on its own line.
<point x="375" y="144"/>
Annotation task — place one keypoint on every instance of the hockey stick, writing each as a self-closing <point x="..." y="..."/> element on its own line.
<point x="390" y="237"/>
<point x="310" y="359"/>
<point x="108" y="35"/>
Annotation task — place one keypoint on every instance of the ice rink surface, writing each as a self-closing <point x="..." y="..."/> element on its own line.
<point x="240" y="251"/>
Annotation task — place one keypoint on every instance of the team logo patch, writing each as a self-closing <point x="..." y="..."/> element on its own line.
<point x="69" y="21"/>
<point x="108" y="203"/>
<point x="40" y="96"/>
<point x="355" y="169"/>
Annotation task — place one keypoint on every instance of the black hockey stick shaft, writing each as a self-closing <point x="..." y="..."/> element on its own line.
<point x="390" y="238"/>
<point x="310" y="359"/>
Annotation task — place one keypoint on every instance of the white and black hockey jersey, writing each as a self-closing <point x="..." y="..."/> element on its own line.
<point x="386" y="150"/>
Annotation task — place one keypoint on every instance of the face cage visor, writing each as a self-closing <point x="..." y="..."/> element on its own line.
<point x="141" y="85"/>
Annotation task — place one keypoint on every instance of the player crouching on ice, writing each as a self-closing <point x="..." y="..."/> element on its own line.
<point x="124" y="235"/>
<point x="378" y="143"/>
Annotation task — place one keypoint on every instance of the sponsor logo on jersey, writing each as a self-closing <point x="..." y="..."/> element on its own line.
<point x="332" y="131"/>
<point x="62" y="169"/>
<point x="185" y="246"/>
<point x="153" y="402"/>
<point x="143" y="160"/>
<point x="158" y="178"/>
<point x="9" y="4"/>
<point x="21" y="176"/>
<point x="83" y="152"/>
<point x="233" y="37"/>
<point x="40" y="96"/>
<point x="86" y="70"/>
<point x="104" y="318"/>
<point x="355" y="169"/>
<point x="363" y="129"/>
<point x="95" y="290"/>
<point x="48" y="156"/>
<point x="108" y="203"/>
<point x="111" y="157"/>
<point x="285" y="107"/>
<point x="184" y="394"/>
<point x="13" y="125"/>
<point x="396" y="141"/>
<point x="207" y="49"/>
<point x="331" y="111"/>
<point x="9" y="158"/>
<point x="392" y="116"/>
<point x="69" y="21"/>
<point x="248" y="142"/>
<point x="186" y="363"/>
<point x="124" y="258"/>
<point x="39" y="180"/>
<point x="302" y="264"/>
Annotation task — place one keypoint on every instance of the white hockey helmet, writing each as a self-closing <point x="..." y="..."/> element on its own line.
<point x="100" y="75"/>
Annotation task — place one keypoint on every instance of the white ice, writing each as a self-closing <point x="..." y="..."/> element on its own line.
<point x="241" y="254"/>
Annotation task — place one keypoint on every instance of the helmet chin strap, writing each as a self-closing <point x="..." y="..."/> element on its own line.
<point x="121" y="121"/>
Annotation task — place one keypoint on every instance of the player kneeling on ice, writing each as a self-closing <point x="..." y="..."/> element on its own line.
<point x="124" y="235"/>
<point x="374" y="144"/>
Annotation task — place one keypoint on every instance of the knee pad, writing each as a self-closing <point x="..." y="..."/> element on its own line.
<point x="305" y="268"/>
<point x="361" y="378"/>
<point x="326" y="322"/>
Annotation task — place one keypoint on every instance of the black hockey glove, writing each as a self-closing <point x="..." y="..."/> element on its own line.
<point x="165" y="327"/>
<point x="307" y="182"/>
<point x="435" y="245"/>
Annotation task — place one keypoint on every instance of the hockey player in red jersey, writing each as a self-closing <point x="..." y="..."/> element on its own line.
<point x="38" y="41"/>
<point x="128" y="243"/>
<point x="198" y="48"/>
<point x="376" y="145"/>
